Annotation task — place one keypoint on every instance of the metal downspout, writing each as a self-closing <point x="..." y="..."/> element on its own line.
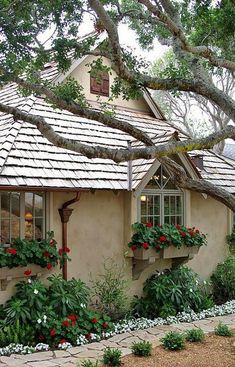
<point x="65" y="214"/>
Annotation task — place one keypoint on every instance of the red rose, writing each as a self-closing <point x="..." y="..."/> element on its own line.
<point x="183" y="234"/>
<point x="67" y="250"/>
<point x="62" y="341"/>
<point x="46" y="254"/>
<point x="28" y="272"/>
<point x="65" y="323"/>
<point x="94" y="321"/>
<point x="145" y="245"/>
<point x="88" y="336"/>
<point x="105" y="325"/>
<point x="53" y="332"/>
<point x="60" y="251"/>
<point x="133" y="247"/>
<point x="72" y="317"/>
<point x="41" y="338"/>
<point x="49" y="266"/>
<point x="162" y="239"/>
<point x="11" y="250"/>
<point x="148" y="224"/>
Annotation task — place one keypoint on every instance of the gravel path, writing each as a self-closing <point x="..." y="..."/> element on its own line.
<point x="94" y="351"/>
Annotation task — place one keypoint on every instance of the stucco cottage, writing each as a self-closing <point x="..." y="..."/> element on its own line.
<point x="40" y="183"/>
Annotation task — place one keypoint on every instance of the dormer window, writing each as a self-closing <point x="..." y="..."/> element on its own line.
<point x="99" y="83"/>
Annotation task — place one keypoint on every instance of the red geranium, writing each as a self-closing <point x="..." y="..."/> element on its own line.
<point x="162" y="239"/>
<point x="62" y="341"/>
<point x="191" y="233"/>
<point x="60" y="251"/>
<point x="46" y="253"/>
<point x="65" y="323"/>
<point x="148" y="224"/>
<point x="72" y="317"/>
<point x="52" y="242"/>
<point x="133" y="247"/>
<point x="197" y="231"/>
<point x="183" y="234"/>
<point x="28" y="272"/>
<point x="53" y="332"/>
<point x="145" y="245"/>
<point x="94" y="321"/>
<point x="178" y="226"/>
<point x="158" y="247"/>
<point x="105" y="325"/>
<point x="49" y="266"/>
<point x="88" y="336"/>
<point x="11" y="250"/>
<point x="66" y="249"/>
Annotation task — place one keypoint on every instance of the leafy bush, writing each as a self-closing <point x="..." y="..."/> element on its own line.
<point x="170" y="292"/>
<point x="195" y="335"/>
<point x="17" y="333"/>
<point x="89" y="363"/>
<point x="223" y="281"/>
<point x="173" y="341"/>
<point x="223" y="330"/>
<point x="231" y="241"/>
<point x="110" y="290"/>
<point x="112" y="357"/>
<point x="142" y="349"/>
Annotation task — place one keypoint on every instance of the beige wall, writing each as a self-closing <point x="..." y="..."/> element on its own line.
<point x="81" y="73"/>
<point x="100" y="227"/>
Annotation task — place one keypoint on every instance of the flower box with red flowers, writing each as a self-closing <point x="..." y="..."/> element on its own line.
<point x="167" y="241"/>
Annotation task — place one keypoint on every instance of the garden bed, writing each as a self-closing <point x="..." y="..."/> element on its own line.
<point x="215" y="351"/>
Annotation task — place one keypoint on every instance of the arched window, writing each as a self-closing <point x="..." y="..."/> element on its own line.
<point x="161" y="201"/>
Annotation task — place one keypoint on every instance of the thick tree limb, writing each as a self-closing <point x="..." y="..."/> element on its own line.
<point x="119" y="155"/>
<point x="202" y="186"/>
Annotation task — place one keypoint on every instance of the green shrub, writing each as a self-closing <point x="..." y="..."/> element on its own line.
<point x="173" y="341"/>
<point x="195" y="335"/>
<point x="112" y="357"/>
<point x="170" y="292"/>
<point x="142" y="349"/>
<point x="89" y="363"/>
<point x="110" y="290"/>
<point x="223" y="330"/>
<point x="223" y="281"/>
<point x="17" y="333"/>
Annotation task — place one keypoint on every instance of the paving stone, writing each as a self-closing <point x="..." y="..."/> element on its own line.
<point x="61" y="354"/>
<point x="144" y="335"/>
<point x="155" y="331"/>
<point x="118" y="338"/>
<point x="125" y="351"/>
<point x="9" y="361"/>
<point x="90" y="354"/>
<point x="43" y="364"/>
<point x="39" y="356"/>
<point x="96" y="346"/>
<point x="108" y="343"/>
<point x="76" y="350"/>
<point x="129" y="341"/>
<point x="183" y="326"/>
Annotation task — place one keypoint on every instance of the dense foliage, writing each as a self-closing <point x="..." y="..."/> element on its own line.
<point x="163" y="236"/>
<point x="223" y="330"/>
<point x="195" y="335"/>
<point x="223" y="281"/>
<point x="57" y="314"/>
<point x="24" y="252"/>
<point x="172" y="291"/>
<point x="112" y="357"/>
<point x="173" y="340"/>
<point x="142" y="349"/>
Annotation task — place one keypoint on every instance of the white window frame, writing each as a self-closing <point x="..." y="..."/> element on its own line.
<point x="45" y="208"/>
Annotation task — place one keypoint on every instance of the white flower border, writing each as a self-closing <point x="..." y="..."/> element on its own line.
<point x="127" y="326"/>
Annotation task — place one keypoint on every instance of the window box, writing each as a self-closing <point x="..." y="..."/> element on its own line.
<point x="142" y="254"/>
<point x="18" y="272"/>
<point x="184" y="251"/>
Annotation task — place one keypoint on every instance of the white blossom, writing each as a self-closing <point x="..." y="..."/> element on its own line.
<point x="35" y="291"/>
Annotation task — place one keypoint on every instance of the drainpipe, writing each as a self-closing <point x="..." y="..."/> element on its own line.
<point x="65" y="214"/>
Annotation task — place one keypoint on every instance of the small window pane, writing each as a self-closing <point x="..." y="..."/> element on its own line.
<point x="29" y="202"/>
<point x="15" y="229"/>
<point x="38" y="229"/>
<point x="5" y="205"/>
<point x="166" y="205"/>
<point x="156" y="205"/>
<point x="5" y="231"/>
<point x="38" y="202"/>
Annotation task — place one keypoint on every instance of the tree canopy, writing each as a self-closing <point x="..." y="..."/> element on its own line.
<point x="199" y="33"/>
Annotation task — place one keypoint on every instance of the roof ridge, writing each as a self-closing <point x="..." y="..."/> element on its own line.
<point x="26" y="107"/>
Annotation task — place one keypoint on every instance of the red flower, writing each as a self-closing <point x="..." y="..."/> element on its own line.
<point x="94" y="321"/>
<point x="158" y="247"/>
<point x="178" y="226"/>
<point x="191" y="233"/>
<point x="11" y="250"/>
<point x="72" y="317"/>
<point x="41" y="338"/>
<point x="65" y="323"/>
<point x="105" y="325"/>
<point x="133" y="247"/>
<point x="53" y="332"/>
<point x="62" y="341"/>
<point x="60" y="251"/>
<point x="52" y="242"/>
<point x="46" y="254"/>
<point x="183" y="234"/>
<point x="27" y="272"/>
<point x="197" y="231"/>
<point x="67" y="250"/>
<point x="88" y="336"/>
<point x="49" y="266"/>
<point x="148" y="224"/>
<point x="145" y="245"/>
<point x="162" y="239"/>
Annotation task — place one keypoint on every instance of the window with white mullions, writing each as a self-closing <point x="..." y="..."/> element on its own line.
<point x="161" y="201"/>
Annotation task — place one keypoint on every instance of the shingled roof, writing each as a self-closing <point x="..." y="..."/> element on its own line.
<point x="28" y="160"/>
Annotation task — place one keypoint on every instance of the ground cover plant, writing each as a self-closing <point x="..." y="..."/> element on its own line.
<point x="223" y="330"/>
<point x="195" y="335"/>
<point x="173" y="340"/>
<point x="112" y="357"/>
<point x="142" y="349"/>
<point x="172" y="291"/>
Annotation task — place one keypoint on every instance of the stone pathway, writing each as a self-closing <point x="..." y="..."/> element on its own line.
<point x="73" y="356"/>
